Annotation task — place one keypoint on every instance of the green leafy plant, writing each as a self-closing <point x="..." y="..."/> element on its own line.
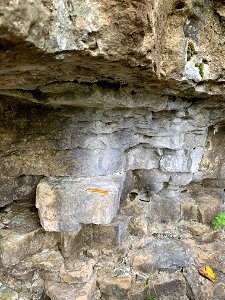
<point x="219" y="220"/>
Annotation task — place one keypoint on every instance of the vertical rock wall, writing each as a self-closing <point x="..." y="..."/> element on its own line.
<point x="126" y="191"/>
<point x="112" y="123"/>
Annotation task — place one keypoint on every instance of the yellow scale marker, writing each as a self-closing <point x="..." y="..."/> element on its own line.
<point x="97" y="191"/>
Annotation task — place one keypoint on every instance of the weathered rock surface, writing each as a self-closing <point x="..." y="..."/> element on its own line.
<point x="114" y="111"/>
<point x="63" y="291"/>
<point x="22" y="236"/>
<point x="64" y="203"/>
<point x="168" y="286"/>
<point x="77" y="271"/>
<point x="22" y="188"/>
<point x="7" y="293"/>
<point x="48" y="48"/>
<point x="115" y="288"/>
<point x="162" y="255"/>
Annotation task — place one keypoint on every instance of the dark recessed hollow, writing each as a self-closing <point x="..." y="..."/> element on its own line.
<point x="179" y="5"/>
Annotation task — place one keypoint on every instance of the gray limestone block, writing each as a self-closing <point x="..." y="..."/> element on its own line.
<point x="151" y="180"/>
<point x="162" y="254"/>
<point x="45" y="159"/>
<point x="92" y="236"/>
<point x="21" y="188"/>
<point x="165" y="206"/>
<point x="35" y="162"/>
<point x="195" y="158"/>
<point x="64" y="202"/>
<point x="114" y="140"/>
<point x="161" y="123"/>
<point x="197" y="285"/>
<point x="221" y="174"/>
<point x="25" y="187"/>
<point x="77" y="271"/>
<point x="174" y="161"/>
<point x="108" y="236"/>
<point x="174" y="141"/>
<point x="85" y="162"/>
<point x="208" y="206"/>
<point x="176" y="103"/>
<point x="138" y="225"/>
<point x="169" y="285"/>
<point x="115" y="287"/>
<point x="192" y="140"/>
<point x="46" y="260"/>
<point x="128" y="185"/>
<point x="142" y="158"/>
<point x="67" y="241"/>
<point x="179" y="179"/>
<point x="189" y="211"/>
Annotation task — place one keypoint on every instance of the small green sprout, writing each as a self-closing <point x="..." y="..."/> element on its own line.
<point x="219" y="220"/>
<point x="146" y="282"/>
<point x="200" y="66"/>
<point x="149" y="295"/>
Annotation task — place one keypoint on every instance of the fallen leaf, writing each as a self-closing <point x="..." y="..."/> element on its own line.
<point x="207" y="272"/>
<point x="97" y="191"/>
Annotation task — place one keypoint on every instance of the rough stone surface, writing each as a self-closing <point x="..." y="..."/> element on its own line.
<point x="166" y="210"/>
<point x="63" y="291"/>
<point x="22" y="236"/>
<point x="115" y="288"/>
<point x="76" y="271"/>
<point x="162" y="255"/>
<point x="142" y="158"/>
<point x="168" y="286"/>
<point x="22" y="188"/>
<point x="7" y="293"/>
<point x="101" y="236"/>
<point x="116" y="111"/>
<point x="48" y="260"/>
<point x="64" y="203"/>
<point x="164" y="45"/>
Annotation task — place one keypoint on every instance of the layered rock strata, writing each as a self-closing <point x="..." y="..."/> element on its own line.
<point x="112" y="125"/>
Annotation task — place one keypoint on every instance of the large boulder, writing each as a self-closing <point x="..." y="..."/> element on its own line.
<point x="65" y="202"/>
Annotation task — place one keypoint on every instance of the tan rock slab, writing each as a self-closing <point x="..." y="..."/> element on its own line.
<point x="115" y="287"/>
<point x="76" y="271"/>
<point x="16" y="246"/>
<point x="63" y="291"/>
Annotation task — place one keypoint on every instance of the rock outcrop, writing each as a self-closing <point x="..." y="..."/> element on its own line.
<point x="112" y="126"/>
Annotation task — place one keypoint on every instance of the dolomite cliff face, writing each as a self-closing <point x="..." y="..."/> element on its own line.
<point x="112" y="164"/>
